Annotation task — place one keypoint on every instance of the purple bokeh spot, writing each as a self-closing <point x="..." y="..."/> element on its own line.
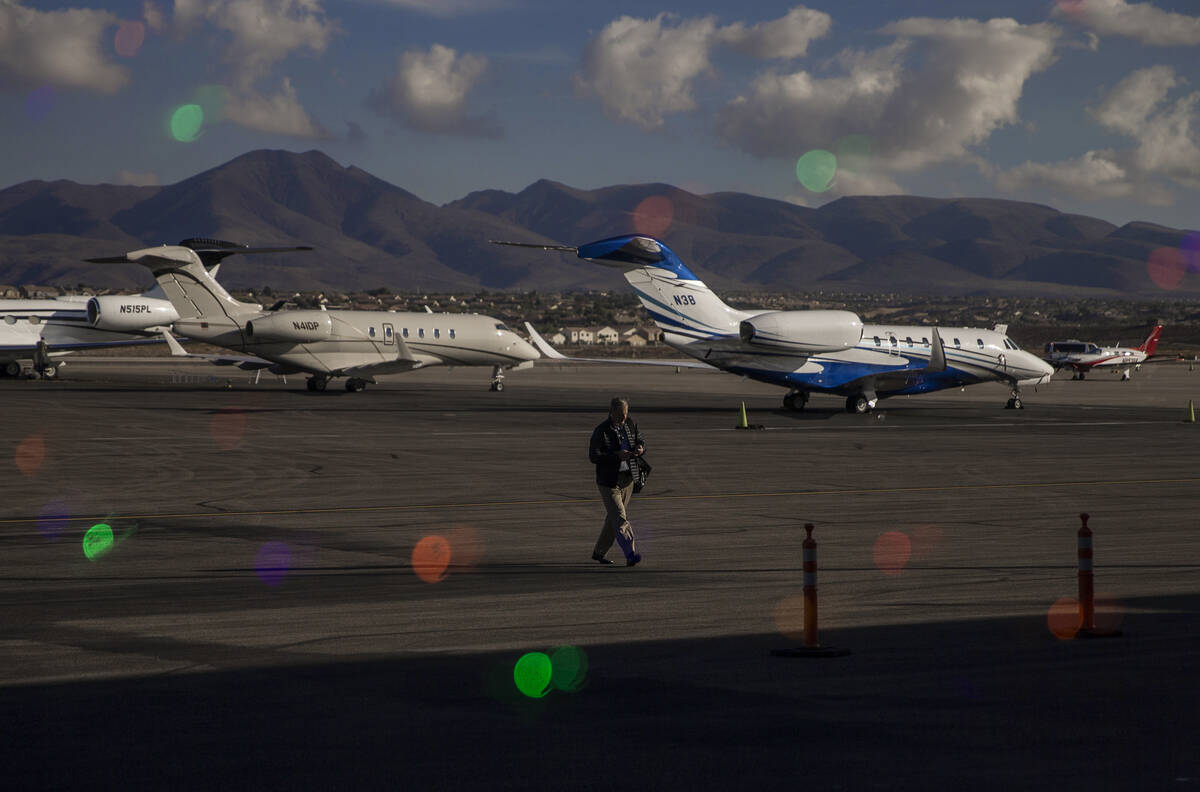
<point x="272" y="562"/>
<point x="39" y="102"/>
<point x="1190" y="248"/>
<point x="52" y="518"/>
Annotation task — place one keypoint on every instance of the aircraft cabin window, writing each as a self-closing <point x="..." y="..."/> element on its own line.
<point x="979" y="341"/>
<point x="957" y="343"/>
<point x="404" y="332"/>
<point x="10" y="319"/>
<point x="437" y="332"/>
<point x="876" y="340"/>
<point x="924" y="341"/>
<point x="420" y="332"/>
<point x="452" y="332"/>
<point x="908" y="340"/>
<point x="894" y="341"/>
<point x="35" y="319"/>
<point x="371" y="332"/>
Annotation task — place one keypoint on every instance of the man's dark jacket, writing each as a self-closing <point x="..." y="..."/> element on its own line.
<point x="603" y="448"/>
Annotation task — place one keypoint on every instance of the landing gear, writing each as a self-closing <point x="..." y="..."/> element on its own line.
<point x="794" y="401"/>
<point x="1125" y="375"/>
<point x="317" y="383"/>
<point x="354" y="384"/>
<point x="1083" y="375"/>
<point x="859" y="404"/>
<point x="1014" y="401"/>
<point x="497" y="379"/>
<point x="48" y="372"/>
<point x="12" y="368"/>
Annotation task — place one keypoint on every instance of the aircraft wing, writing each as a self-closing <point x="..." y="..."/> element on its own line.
<point x="242" y="362"/>
<point x="404" y="361"/>
<point x="551" y="353"/>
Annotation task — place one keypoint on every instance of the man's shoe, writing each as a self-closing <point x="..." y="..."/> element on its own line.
<point x="602" y="559"/>
<point x="633" y="559"/>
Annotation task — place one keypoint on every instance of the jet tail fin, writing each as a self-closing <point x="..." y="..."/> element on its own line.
<point x="1150" y="344"/>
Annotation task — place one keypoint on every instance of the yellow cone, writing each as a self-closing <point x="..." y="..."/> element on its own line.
<point x="742" y="422"/>
<point x="1191" y="413"/>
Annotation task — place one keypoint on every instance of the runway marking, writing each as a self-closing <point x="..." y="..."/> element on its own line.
<point x="576" y="501"/>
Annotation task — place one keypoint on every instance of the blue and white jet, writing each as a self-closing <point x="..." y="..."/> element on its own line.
<point x="813" y="351"/>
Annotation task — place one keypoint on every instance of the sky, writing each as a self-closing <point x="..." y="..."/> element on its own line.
<point x="1090" y="106"/>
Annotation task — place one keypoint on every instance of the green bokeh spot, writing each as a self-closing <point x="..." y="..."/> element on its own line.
<point x="816" y="170"/>
<point x="186" y="122"/>
<point x="532" y="674"/>
<point x="569" y="668"/>
<point x="97" y="541"/>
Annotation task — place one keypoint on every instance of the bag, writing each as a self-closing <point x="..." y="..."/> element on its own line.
<point x="644" y="469"/>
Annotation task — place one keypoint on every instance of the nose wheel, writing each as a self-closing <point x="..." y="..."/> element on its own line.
<point x="1014" y="401"/>
<point x="317" y="384"/>
<point x="497" y="379"/>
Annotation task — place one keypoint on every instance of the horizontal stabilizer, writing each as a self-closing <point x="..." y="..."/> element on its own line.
<point x="560" y="248"/>
<point x="553" y="354"/>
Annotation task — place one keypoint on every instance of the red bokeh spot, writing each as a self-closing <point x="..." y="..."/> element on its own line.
<point x="30" y="453"/>
<point x="1070" y="6"/>
<point x="1064" y="619"/>
<point x="128" y="39"/>
<point x="227" y="427"/>
<point x="892" y="551"/>
<point x="430" y="558"/>
<point x="1166" y="267"/>
<point x="653" y="216"/>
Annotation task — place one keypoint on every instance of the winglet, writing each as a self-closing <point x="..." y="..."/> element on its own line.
<point x="176" y="348"/>
<point x="543" y="345"/>
<point x="937" y="355"/>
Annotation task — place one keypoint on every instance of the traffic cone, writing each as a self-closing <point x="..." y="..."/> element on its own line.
<point x="1191" y="413"/>
<point x="742" y="422"/>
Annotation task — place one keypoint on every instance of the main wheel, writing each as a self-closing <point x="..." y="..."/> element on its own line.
<point x="12" y="368"/>
<point x="858" y="404"/>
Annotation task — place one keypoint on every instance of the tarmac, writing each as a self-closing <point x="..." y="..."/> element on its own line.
<point x="332" y="590"/>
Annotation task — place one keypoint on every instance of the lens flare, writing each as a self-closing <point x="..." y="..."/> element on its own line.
<point x="272" y="562"/>
<point x="186" y="122"/>
<point x="39" y="102"/>
<point x="789" y="617"/>
<point x="31" y="452"/>
<point x="854" y="152"/>
<point x="1166" y="268"/>
<point x="129" y="37"/>
<point x="1110" y="612"/>
<point x="1190" y="248"/>
<point x="653" y="216"/>
<point x="532" y="674"/>
<point x="816" y="170"/>
<point x="466" y="547"/>
<point x="925" y="538"/>
<point x="569" y="667"/>
<point x="1064" y="618"/>
<point x="227" y="427"/>
<point x="892" y="551"/>
<point x="97" y="541"/>
<point x="53" y="518"/>
<point x="430" y="558"/>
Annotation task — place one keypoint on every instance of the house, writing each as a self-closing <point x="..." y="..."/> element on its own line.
<point x="558" y="338"/>
<point x="648" y="335"/>
<point x="579" y="335"/>
<point x="607" y="335"/>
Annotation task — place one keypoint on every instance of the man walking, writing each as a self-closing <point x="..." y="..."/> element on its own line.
<point x="614" y="449"/>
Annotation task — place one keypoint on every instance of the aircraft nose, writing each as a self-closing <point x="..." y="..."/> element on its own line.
<point x="523" y="349"/>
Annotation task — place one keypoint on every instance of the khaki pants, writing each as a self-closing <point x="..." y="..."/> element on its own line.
<point x="616" y="521"/>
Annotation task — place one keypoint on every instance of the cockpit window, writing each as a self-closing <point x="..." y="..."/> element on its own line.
<point x="1010" y="344"/>
<point x="502" y="326"/>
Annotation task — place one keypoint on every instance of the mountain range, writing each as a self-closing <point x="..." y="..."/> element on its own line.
<point x="368" y="233"/>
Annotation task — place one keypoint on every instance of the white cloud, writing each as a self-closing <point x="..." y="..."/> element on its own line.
<point x="787" y="37"/>
<point x="134" y="179"/>
<point x="64" y="49"/>
<point x="1127" y="106"/>
<point x="447" y="8"/>
<point x="1141" y="21"/>
<point x="849" y="182"/>
<point x="429" y="91"/>
<point x="940" y="89"/>
<point x="279" y="114"/>
<point x="642" y="70"/>
<point x="1095" y="174"/>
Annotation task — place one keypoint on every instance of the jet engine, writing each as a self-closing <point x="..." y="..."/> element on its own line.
<point x="297" y="326"/>
<point x="803" y="332"/>
<point x="125" y="314"/>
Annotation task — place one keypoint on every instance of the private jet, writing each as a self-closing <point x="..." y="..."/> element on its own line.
<point x="817" y="351"/>
<point x="325" y="344"/>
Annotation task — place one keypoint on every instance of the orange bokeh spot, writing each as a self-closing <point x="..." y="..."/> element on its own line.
<point x="30" y="453"/>
<point x="1166" y="268"/>
<point x="227" y="427"/>
<point x="1063" y="618"/>
<point x="653" y="216"/>
<point x="892" y="551"/>
<point x="1109" y="613"/>
<point x="430" y="558"/>
<point x="129" y="37"/>
<point x="467" y="547"/>
<point x="789" y="617"/>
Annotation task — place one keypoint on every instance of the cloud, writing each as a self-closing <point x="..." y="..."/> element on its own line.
<point x="1166" y="146"/>
<point x="64" y="49"/>
<point x="1141" y="21"/>
<point x="279" y="114"/>
<point x="448" y="8"/>
<point x="787" y="37"/>
<point x="429" y="92"/>
<point x="850" y="182"/>
<point x="642" y="70"/>
<point x="153" y="16"/>
<point x="134" y="179"/>
<point x="941" y="88"/>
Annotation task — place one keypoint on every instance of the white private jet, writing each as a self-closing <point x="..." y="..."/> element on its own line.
<point x="42" y="331"/>
<point x="808" y="351"/>
<point x="1082" y="356"/>
<point x="325" y="344"/>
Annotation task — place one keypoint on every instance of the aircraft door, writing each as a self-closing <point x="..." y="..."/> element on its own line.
<point x="389" y="334"/>
<point x="893" y="344"/>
